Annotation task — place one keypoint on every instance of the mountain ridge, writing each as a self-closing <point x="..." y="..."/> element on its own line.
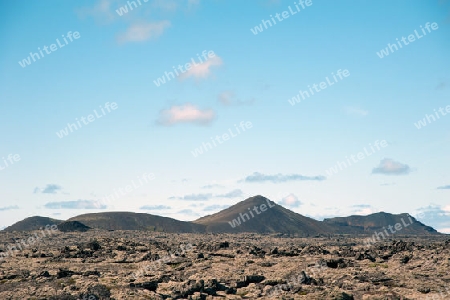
<point x="32" y="223"/>
<point x="276" y="219"/>
<point x="256" y="214"/>
<point x="135" y="221"/>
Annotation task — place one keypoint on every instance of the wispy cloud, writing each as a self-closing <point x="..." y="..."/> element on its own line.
<point x="101" y="11"/>
<point x="363" y="209"/>
<point x="211" y="186"/>
<point x="232" y="194"/>
<point x="326" y="215"/>
<point x="356" y="111"/>
<point x="206" y="196"/>
<point x="154" y="207"/>
<point x="188" y="212"/>
<point x="228" y="98"/>
<point x="388" y="166"/>
<point x="194" y="197"/>
<point x="141" y="32"/>
<point x="436" y="216"/>
<point x="361" y="206"/>
<point x="290" y="201"/>
<point x="203" y="70"/>
<point x="445" y="187"/>
<point x="197" y="197"/>
<point x="77" y="204"/>
<point x="9" y="207"/>
<point x="187" y="113"/>
<point x="48" y="189"/>
<point x="215" y="207"/>
<point x="173" y="5"/>
<point x="278" y="178"/>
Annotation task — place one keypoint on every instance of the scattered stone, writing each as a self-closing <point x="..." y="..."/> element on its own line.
<point x="150" y="265"/>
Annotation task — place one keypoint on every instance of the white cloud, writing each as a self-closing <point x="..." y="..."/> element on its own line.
<point x="216" y="207"/>
<point x="233" y="194"/>
<point x="48" y="189"/>
<point x="364" y="209"/>
<point x="446" y="209"/>
<point x="444" y="187"/>
<point x="187" y="113"/>
<point x="290" y="200"/>
<point x="278" y="178"/>
<point x="202" y="70"/>
<point x="210" y="186"/>
<point x="9" y="207"/>
<point x="102" y="11"/>
<point x="388" y="166"/>
<point x="173" y="5"/>
<point x="143" y="31"/>
<point x="77" y="204"/>
<point x="155" y="207"/>
<point x="436" y="216"/>
<point x="445" y="230"/>
<point x="228" y="98"/>
<point x="189" y="212"/>
<point x="356" y="111"/>
<point x="194" y="197"/>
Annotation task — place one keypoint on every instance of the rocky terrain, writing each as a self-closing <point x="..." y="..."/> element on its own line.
<point x="101" y="264"/>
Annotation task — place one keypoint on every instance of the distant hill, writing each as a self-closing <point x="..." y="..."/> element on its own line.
<point x="268" y="217"/>
<point x="378" y="222"/>
<point x="136" y="221"/>
<point x="32" y="223"/>
<point x="70" y="226"/>
<point x="274" y="219"/>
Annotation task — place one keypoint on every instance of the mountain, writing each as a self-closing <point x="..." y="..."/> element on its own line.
<point x="70" y="226"/>
<point x="377" y="222"/>
<point x="32" y="223"/>
<point x="256" y="214"/>
<point x="136" y="221"/>
<point x="243" y="217"/>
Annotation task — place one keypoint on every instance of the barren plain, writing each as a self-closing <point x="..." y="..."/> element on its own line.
<point x="100" y="264"/>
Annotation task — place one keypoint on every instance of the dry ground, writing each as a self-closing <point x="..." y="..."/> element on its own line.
<point x="125" y="265"/>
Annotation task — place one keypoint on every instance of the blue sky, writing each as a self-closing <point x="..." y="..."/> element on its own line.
<point x="138" y="139"/>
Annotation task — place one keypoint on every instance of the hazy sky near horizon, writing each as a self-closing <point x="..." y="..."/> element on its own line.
<point x="152" y="143"/>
